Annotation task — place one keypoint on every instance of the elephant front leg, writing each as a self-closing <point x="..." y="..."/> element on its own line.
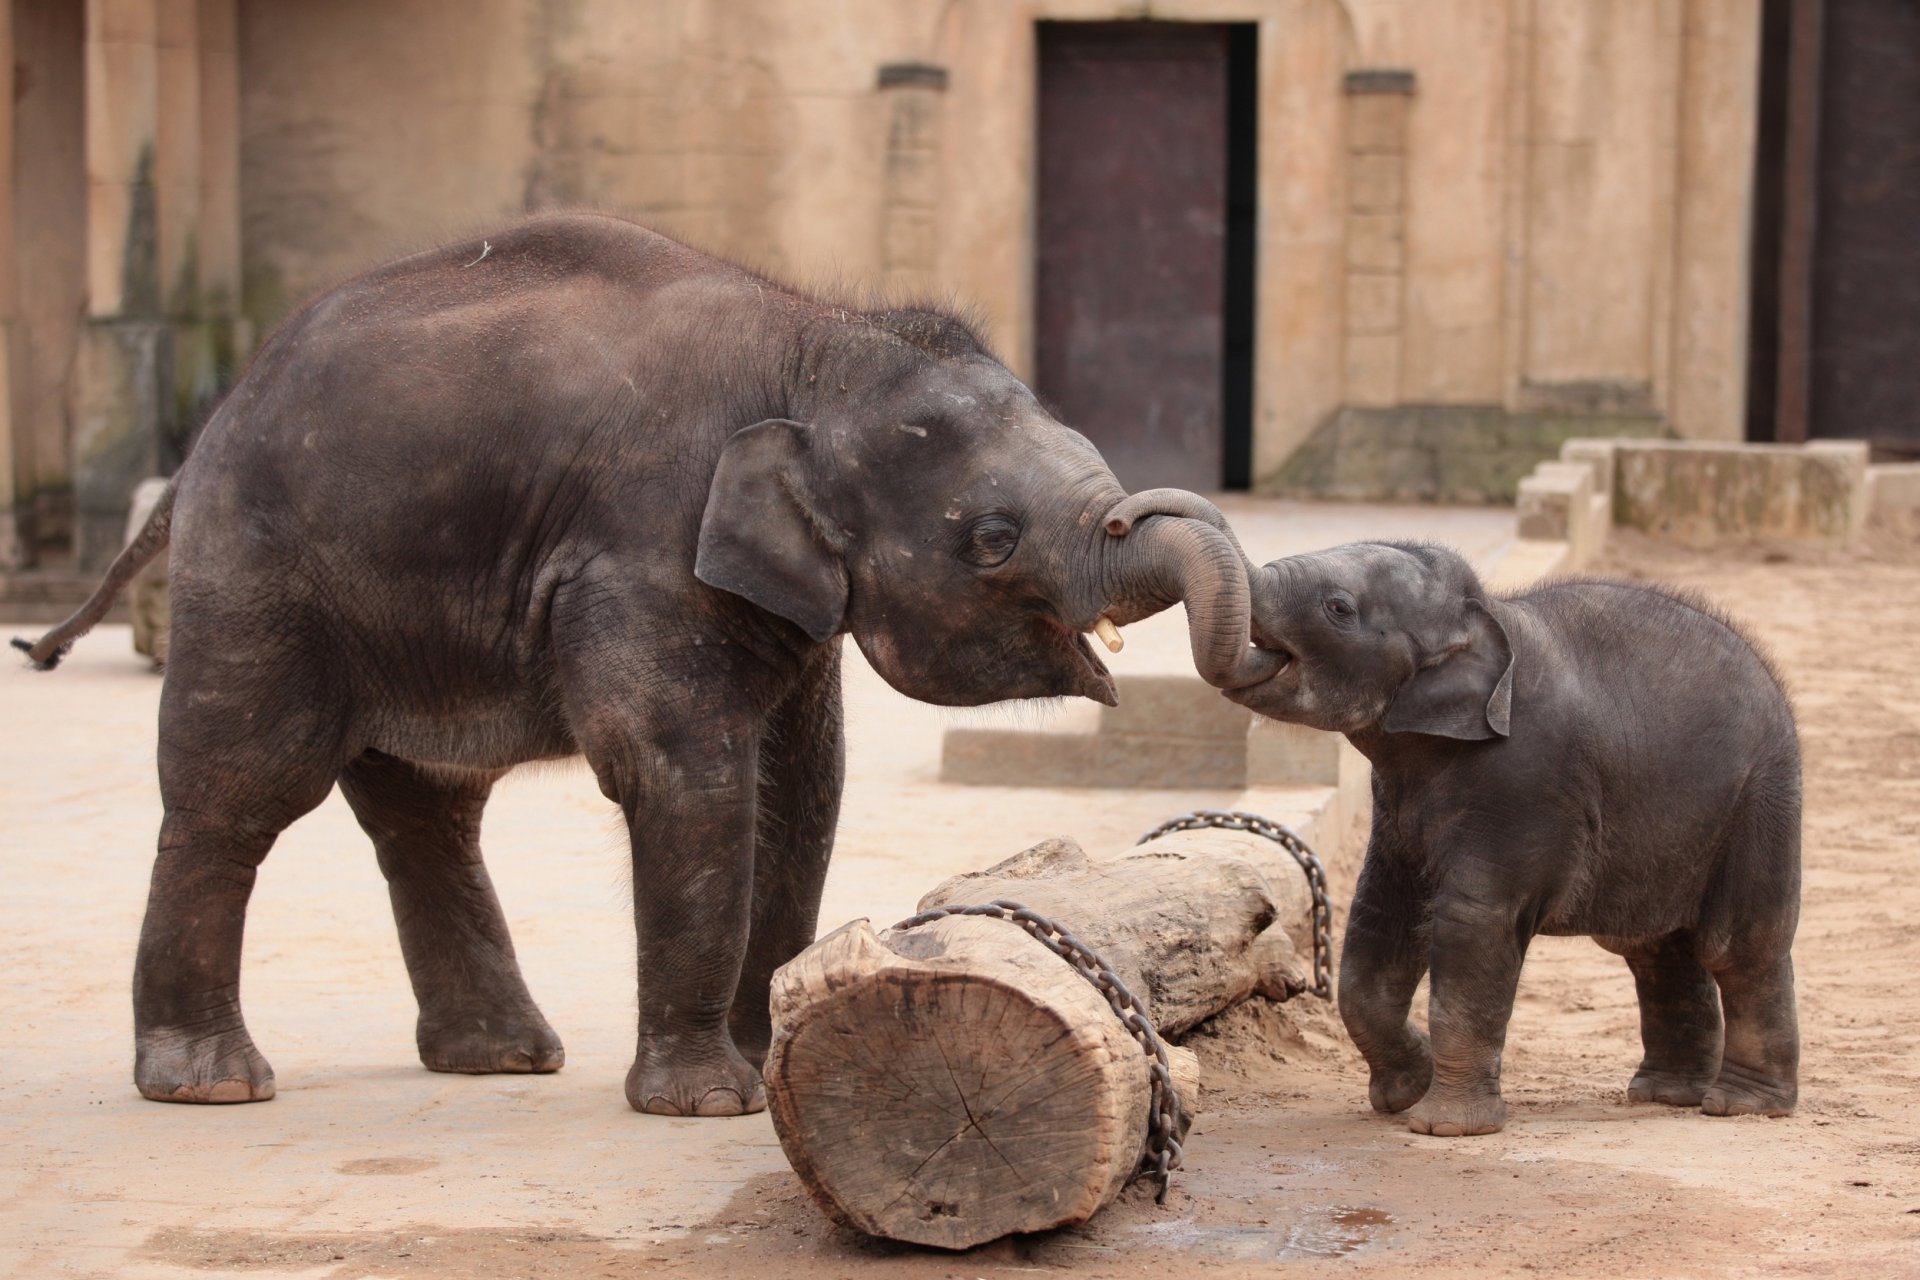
<point x="802" y="770"/>
<point x="692" y="888"/>
<point x="1476" y="957"/>
<point x="1382" y="959"/>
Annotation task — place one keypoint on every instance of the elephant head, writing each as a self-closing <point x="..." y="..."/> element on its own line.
<point x="959" y="533"/>
<point x="1395" y="637"/>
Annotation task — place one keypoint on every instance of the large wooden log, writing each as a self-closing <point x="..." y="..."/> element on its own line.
<point x="957" y="1081"/>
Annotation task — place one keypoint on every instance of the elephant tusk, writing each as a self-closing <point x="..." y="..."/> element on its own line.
<point x="1109" y="635"/>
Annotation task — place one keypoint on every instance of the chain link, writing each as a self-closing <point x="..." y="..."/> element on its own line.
<point x="1165" y="1117"/>
<point x="1286" y="838"/>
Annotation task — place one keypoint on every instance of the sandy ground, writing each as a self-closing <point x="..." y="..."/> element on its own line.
<point x="366" y="1165"/>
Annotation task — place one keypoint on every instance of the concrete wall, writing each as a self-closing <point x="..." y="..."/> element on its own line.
<point x="1539" y="215"/>
<point x="1568" y="182"/>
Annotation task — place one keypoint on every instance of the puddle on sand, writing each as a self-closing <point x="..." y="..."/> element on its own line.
<point x="1321" y="1231"/>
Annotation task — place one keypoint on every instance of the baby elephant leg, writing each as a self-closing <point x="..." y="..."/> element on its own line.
<point x="1382" y="960"/>
<point x="1760" y="1068"/>
<point x="476" y="1016"/>
<point x="1477" y="954"/>
<point x="1679" y="1023"/>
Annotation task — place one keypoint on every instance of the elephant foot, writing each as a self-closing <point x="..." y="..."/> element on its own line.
<point x="1739" y="1093"/>
<point x="1668" y="1088"/>
<point x="1395" y="1089"/>
<point x="485" y="1044"/>
<point x="1457" y="1116"/>
<point x="176" y="1065"/>
<point x="714" y="1083"/>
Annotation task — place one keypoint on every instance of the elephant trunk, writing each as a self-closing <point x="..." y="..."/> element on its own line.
<point x="1170" y="502"/>
<point x="1170" y="558"/>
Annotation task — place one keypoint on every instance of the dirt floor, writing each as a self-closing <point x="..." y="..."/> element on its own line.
<point x="365" y="1166"/>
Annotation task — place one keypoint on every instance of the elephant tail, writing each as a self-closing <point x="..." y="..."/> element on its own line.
<point x="47" y="651"/>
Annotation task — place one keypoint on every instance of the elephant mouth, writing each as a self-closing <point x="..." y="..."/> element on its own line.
<point x="1092" y="679"/>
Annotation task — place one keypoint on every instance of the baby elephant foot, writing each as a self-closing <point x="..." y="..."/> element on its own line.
<point x="663" y="1082"/>
<point x="1393" y="1089"/>
<point x="1457" y="1115"/>
<point x="1744" y="1094"/>
<point x="483" y="1044"/>
<point x="1668" y="1088"/>
<point x="178" y="1065"/>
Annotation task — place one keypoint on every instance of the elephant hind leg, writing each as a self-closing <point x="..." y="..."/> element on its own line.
<point x="476" y="1015"/>
<point x="233" y="776"/>
<point x="1679" y="1024"/>
<point x="1759" y="1072"/>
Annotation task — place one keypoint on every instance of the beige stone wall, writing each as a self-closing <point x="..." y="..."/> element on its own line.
<point x="1569" y="199"/>
<point x="47" y="210"/>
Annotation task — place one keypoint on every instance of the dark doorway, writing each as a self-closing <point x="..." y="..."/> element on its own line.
<point x="1835" y="348"/>
<point x="1144" y="280"/>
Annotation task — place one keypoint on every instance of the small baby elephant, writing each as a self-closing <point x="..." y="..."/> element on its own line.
<point x="1588" y="757"/>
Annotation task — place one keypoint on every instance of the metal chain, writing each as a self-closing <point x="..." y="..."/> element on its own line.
<point x="1286" y="838"/>
<point x="1165" y="1112"/>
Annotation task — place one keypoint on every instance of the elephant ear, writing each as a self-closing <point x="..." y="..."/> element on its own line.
<point x="1466" y="690"/>
<point x="764" y="537"/>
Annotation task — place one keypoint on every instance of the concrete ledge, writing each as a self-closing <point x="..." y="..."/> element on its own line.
<point x="1893" y="495"/>
<point x="1699" y="493"/>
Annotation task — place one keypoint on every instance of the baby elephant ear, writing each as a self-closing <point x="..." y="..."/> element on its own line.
<point x="763" y="536"/>
<point x="1464" y="692"/>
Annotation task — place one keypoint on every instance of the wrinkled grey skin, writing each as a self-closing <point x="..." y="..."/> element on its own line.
<point x="589" y="491"/>
<point x="1589" y="757"/>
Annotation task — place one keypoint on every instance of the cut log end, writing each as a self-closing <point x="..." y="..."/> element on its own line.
<point x="945" y="1110"/>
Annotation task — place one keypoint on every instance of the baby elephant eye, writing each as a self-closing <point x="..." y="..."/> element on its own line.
<point x="990" y="541"/>
<point x="1339" y="610"/>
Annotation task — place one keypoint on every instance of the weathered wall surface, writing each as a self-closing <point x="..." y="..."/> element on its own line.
<point x="49" y="211"/>
<point x="1570" y="196"/>
<point x="1542" y="218"/>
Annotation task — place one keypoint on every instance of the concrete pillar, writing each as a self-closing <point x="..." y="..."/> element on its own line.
<point x="1378" y="104"/>
<point x="163" y="239"/>
<point x="915" y="94"/>
<point x="12" y="552"/>
<point x="1719" y="106"/>
<point x="124" y="370"/>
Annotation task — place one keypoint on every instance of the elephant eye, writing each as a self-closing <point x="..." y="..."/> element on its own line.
<point x="1339" y="610"/>
<point x="990" y="541"/>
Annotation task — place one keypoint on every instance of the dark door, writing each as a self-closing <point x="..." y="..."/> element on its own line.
<point x="1133" y="233"/>
<point x="1865" y="367"/>
<point x="1836" y="287"/>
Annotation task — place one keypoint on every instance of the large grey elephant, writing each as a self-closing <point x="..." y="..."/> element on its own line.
<point x="1589" y="757"/>
<point x="577" y="489"/>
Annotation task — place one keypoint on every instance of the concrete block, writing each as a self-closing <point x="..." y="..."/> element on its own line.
<point x="1281" y="754"/>
<point x="1142" y="761"/>
<point x="1599" y="527"/>
<point x="1019" y="758"/>
<point x="1598" y="454"/>
<point x="1553" y="502"/>
<point x="1893" y="493"/>
<point x="148" y="599"/>
<point x="1697" y="493"/>
<point x="1175" y="707"/>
